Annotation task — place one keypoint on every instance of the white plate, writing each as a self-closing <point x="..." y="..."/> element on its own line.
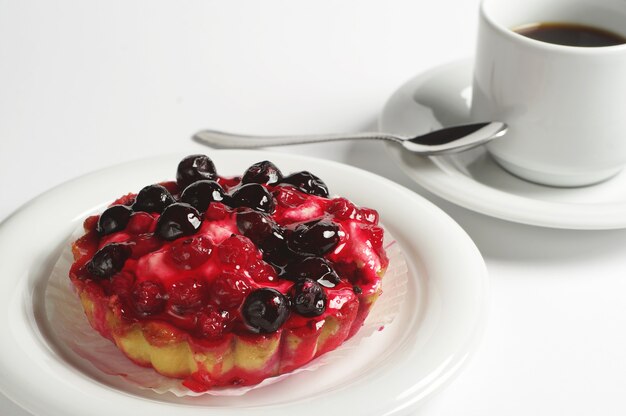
<point x="390" y="373"/>
<point x="472" y="179"/>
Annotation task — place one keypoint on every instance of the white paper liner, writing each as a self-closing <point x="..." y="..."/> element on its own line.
<point x="69" y="322"/>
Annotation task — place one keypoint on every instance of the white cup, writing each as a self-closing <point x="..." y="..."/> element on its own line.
<point x="565" y="105"/>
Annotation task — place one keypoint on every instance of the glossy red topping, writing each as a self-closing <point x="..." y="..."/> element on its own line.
<point x="246" y="264"/>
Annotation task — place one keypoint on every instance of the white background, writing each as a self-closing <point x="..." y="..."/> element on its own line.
<point x="84" y="85"/>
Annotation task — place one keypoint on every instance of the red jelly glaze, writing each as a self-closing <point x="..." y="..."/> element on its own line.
<point x="205" y="277"/>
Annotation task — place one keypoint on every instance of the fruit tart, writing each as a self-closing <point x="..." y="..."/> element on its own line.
<point x="224" y="281"/>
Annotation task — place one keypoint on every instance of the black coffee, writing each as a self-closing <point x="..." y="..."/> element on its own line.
<point x="571" y="34"/>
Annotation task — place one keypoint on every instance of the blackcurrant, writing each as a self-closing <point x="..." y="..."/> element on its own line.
<point x="308" y="298"/>
<point x="307" y="183"/>
<point x="314" y="238"/>
<point x="178" y="220"/>
<point x="194" y="168"/>
<point x="315" y="268"/>
<point x="108" y="260"/>
<point x="113" y="219"/>
<point x="153" y="198"/>
<point x="254" y="224"/>
<point x="264" y="173"/>
<point x="275" y="241"/>
<point x="267" y="235"/>
<point x="255" y="196"/>
<point x="265" y="310"/>
<point x="201" y="193"/>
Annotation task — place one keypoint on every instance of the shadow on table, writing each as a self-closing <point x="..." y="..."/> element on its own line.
<point x="497" y="239"/>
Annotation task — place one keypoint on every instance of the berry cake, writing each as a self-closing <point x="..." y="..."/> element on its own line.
<point x="227" y="281"/>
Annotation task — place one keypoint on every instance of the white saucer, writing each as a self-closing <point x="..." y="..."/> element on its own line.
<point x="389" y="373"/>
<point x="441" y="97"/>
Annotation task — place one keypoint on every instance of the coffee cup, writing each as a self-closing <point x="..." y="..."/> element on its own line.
<point x="565" y="105"/>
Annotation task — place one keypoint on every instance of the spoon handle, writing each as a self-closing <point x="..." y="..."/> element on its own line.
<point x="446" y="140"/>
<point x="222" y="139"/>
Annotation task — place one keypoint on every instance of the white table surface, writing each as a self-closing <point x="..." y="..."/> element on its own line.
<point x="84" y="85"/>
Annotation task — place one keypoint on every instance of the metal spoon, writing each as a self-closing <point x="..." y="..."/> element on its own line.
<point x="447" y="140"/>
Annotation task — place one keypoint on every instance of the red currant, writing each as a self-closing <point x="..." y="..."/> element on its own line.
<point x="237" y="250"/>
<point x="190" y="253"/>
<point x="187" y="294"/>
<point x="212" y="323"/>
<point x="148" y="297"/>
<point x="228" y="290"/>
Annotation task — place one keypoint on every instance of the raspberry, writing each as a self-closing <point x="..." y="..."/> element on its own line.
<point x="144" y="244"/>
<point x="187" y="294"/>
<point x="171" y="186"/>
<point x="140" y="222"/>
<point x="228" y="183"/>
<point x="127" y="199"/>
<point x="261" y="272"/>
<point x="375" y="234"/>
<point x="148" y="297"/>
<point x="216" y="211"/>
<point x="368" y="215"/>
<point x="91" y="223"/>
<point x="228" y="290"/>
<point x="341" y="209"/>
<point x="122" y="284"/>
<point x="212" y="323"/>
<point x="190" y="253"/>
<point x="238" y="250"/>
<point x="288" y="196"/>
